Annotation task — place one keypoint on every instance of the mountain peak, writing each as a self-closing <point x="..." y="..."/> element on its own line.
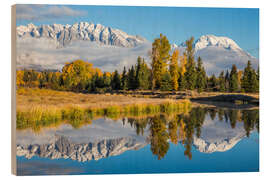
<point x="65" y="34"/>
<point x="212" y="40"/>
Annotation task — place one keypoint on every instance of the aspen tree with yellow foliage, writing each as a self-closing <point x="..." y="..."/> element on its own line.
<point x="174" y="69"/>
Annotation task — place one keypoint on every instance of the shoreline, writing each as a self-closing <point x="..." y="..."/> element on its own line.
<point x="47" y="98"/>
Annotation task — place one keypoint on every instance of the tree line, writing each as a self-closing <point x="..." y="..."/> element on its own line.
<point x="168" y="71"/>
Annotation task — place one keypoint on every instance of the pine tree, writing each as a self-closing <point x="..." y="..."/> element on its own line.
<point x="116" y="81"/>
<point x="174" y="72"/>
<point x="138" y="68"/>
<point x="124" y="80"/>
<point x="106" y="80"/>
<point x="166" y="82"/>
<point x="182" y="82"/>
<point x="142" y="74"/>
<point x="201" y="76"/>
<point x="246" y="78"/>
<point x="160" y="56"/>
<point x="213" y="83"/>
<point x="254" y="86"/>
<point x="233" y="82"/>
<point x="221" y="81"/>
<point x="227" y="81"/>
<point x="132" y="78"/>
<point x="190" y="74"/>
<point x="249" y="80"/>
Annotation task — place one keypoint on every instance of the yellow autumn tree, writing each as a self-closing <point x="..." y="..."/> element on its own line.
<point x="182" y="131"/>
<point x="183" y="62"/>
<point x="19" y="78"/>
<point x="77" y="72"/>
<point x="239" y="77"/>
<point x="172" y="128"/>
<point x="174" y="69"/>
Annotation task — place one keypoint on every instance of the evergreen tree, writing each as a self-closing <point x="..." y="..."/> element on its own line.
<point x="131" y="78"/>
<point x="160" y="56"/>
<point x="182" y="82"/>
<point x="254" y="86"/>
<point x="174" y="72"/>
<point x="124" y="80"/>
<point x="166" y="82"/>
<point x="213" y="83"/>
<point x="250" y="80"/>
<point x="227" y="81"/>
<point x="142" y="74"/>
<point x="93" y="83"/>
<point x="190" y="73"/>
<point x="116" y="81"/>
<point x="106" y="80"/>
<point x="222" y="82"/>
<point x="138" y="68"/>
<point x="233" y="82"/>
<point x="201" y="76"/>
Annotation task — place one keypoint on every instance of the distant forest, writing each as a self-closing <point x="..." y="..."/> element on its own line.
<point x="167" y="72"/>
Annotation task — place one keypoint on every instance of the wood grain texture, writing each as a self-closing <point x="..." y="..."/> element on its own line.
<point x="13" y="90"/>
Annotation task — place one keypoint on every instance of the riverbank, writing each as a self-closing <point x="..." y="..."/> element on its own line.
<point x="38" y="108"/>
<point x="28" y="98"/>
<point x="46" y="98"/>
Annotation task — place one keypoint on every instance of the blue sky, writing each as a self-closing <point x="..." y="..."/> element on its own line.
<point x="178" y="24"/>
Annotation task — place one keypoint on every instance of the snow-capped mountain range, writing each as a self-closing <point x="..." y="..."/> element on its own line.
<point x="65" y="34"/>
<point x="104" y="138"/>
<point x="51" y="46"/>
<point x="211" y="40"/>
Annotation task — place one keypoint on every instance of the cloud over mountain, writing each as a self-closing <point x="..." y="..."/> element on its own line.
<point x="42" y="54"/>
<point x="51" y="46"/>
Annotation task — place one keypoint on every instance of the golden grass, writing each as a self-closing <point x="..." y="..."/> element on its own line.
<point x="38" y="108"/>
<point x="27" y="98"/>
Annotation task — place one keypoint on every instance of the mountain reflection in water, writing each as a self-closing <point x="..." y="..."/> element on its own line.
<point x="207" y="129"/>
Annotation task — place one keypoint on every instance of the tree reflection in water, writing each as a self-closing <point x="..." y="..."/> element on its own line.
<point x="181" y="128"/>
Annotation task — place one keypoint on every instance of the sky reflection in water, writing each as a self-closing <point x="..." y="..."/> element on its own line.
<point x="204" y="140"/>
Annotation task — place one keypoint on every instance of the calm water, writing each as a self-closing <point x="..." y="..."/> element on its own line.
<point x="203" y="140"/>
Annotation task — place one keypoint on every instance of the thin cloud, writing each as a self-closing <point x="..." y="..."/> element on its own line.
<point x="42" y="54"/>
<point x="41" y="12"/>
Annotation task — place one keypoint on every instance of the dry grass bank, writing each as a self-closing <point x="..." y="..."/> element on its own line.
<point x="38" y="108"/>
<point x="28" y="98"/>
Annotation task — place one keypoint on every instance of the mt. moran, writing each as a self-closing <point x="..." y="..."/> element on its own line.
<point x="51" y="46"/>
<point x="65" y="34"/>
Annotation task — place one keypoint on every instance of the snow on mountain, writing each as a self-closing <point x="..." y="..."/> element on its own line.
<point x="65" y="34"/>
<point x="218" y="136"/>
<point x="219" y="53"/>
<point x="211" y="40"/>
<point x="113" y="138"/>
<point x="51" y="46"/>
<point x="103" y="138"/>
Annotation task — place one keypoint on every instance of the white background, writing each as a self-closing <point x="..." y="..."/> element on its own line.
<point x="5" y="85"/>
